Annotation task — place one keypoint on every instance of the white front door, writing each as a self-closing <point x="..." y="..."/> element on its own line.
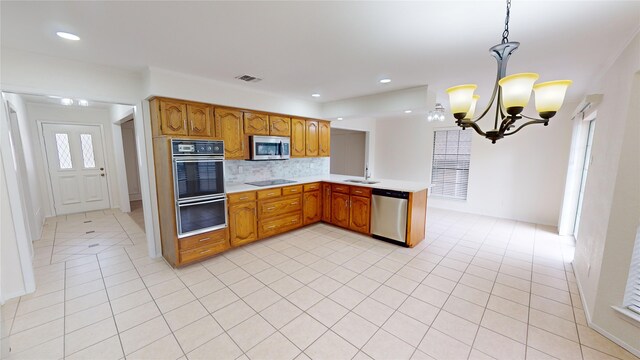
<point x="76" y="167"/>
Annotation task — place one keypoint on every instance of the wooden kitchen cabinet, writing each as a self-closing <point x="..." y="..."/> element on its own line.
<point x="229" y="127"/>
<point x="173" y="118"/>
<point x="200" y="119"/>
<point x="326" y="202"/>
<point x="256" y="124"/>
<point x="298" y="131"/>
<point x="360" y="214"/>
<point x="311" y="138"/>
<point x="340" y="209"/>
<point x="243" y="223"/>
<point x="324" y="138"/>
<point x="279" y="126"/>
<point x="312" y="207"/>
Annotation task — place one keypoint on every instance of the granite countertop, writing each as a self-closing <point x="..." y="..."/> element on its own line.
<point x="387" y="184"/>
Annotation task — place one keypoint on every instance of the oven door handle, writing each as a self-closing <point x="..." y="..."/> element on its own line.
<point x="200" y="202"/>
<point x="195" y="160"/>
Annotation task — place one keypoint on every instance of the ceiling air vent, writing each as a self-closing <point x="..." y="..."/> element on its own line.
<point x="248" y="78"/>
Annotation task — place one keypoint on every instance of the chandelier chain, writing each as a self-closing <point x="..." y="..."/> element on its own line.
<point x="505" y="33"/>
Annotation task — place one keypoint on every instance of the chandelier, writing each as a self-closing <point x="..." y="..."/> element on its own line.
<point x="437" y="114"/>
<point x="512" y="93"/>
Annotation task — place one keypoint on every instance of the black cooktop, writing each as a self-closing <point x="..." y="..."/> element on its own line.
<point x="270" y="182"/>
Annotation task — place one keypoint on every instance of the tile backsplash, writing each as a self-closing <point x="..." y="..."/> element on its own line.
<point x="239" y="171"/>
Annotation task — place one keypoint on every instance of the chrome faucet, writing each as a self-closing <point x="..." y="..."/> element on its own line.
<point x="366" y="172"/>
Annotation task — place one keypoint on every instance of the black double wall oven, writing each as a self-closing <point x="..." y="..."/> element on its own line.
<point x="198" y="176"/>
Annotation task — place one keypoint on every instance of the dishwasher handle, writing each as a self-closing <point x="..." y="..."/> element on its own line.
<point x="391" y="193"/>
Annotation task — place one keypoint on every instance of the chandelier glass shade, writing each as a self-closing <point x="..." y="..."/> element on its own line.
<point x="511" y="94"/>
<point x="437" y="114"/>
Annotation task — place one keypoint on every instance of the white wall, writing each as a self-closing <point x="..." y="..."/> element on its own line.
<point x="611" y="205"/>
<point x="368" y="125"/>
<point x="520" y="177"/>
<point x="348" y="152"/>
<point x="38" y="113"/>
<point x="131" y="160"/>
<point x="34" y="210"/>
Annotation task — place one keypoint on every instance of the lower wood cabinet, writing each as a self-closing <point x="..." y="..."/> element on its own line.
<point x="326" y="202"/>
<point x="201" y="246"/>
<point x="277" y="225"/>
<point x="360" y="214"/>
<point x="312" y="211"/>
<point x="340" y="209"/>
<point x="243" y="223"/>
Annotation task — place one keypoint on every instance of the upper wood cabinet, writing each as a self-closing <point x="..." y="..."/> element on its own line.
<point x="298" y="131"/>
<point x="312" y="207"/>
<point x="311" y="137"/>
<point x="340" y="209"/>
<point x="279" y="126"/>
<point x="200" y="120"/>
<point x="229" y="127"/>
<point x="173" y="118"/>
<point x="324" y="138"/>
<point x="256" y="124"/>
<point x="360" y="214"/>
<point x="326" y="202"/>
<point x="243" y="223"/>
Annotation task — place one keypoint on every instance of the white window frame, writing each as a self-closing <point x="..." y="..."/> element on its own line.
<point x="447" y="194"/>
<point x="632" y="293"/>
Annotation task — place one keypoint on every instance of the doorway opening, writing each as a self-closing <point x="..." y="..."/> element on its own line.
<point x="348" y="152"/>
<point x="586" y="162"/>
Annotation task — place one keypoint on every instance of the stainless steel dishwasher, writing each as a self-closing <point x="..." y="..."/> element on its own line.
<point x="389" y="215"/>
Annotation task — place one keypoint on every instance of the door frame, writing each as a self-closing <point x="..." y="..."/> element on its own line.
<point x="45" y="159"/>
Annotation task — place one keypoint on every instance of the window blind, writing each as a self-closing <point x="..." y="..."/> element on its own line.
<point x="632" y="297"/>
<point x="450" y="164"/>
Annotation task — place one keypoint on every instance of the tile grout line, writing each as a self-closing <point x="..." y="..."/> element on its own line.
<point x="113" y="315"/>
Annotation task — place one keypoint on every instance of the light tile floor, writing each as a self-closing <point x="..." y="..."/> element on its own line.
<point x="476" y="288"/>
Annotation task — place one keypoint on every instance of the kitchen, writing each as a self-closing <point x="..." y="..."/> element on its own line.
<point x="206" y="141"/>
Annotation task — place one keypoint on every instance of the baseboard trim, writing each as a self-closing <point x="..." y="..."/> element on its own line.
<point x="597" y="328"/>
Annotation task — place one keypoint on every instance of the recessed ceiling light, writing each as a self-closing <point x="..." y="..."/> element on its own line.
<point x="407" y="111"/>
<point x="339" y="118"/>
<point x="385" y="81"/>
<point x="54" y="97"/>
<point x="315" y="95"/>
<point x="66" y="101"/>
<point x="83" y="102"/>
<point x="68" y="36"/>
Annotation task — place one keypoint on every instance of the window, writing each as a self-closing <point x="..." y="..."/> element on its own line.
<point x="64" y="152"/>
<point x="450" y="166"/>
<point x="87" y="151"/>
<point x="632" y="296"/>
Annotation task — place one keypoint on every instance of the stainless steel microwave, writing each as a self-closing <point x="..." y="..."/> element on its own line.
<point x="270" y="147"/>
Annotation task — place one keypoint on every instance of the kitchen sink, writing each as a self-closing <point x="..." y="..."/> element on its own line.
<point x="362" y="181"/>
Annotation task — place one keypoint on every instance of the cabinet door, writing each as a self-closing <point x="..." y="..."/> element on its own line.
<point x="229" y="128"/>
<point x="326" y="203"/>
<point x="311" y="137"/>
<point x="256" y="124"/>
<point x="279" y="126"/>
<point x="340" y="209"/>
<point x="325" y="138"/>
<point x="360" y="211"/>
<point x="243" y="223"/>
<point x="173" y="118"/>
<point x="312" y="207"/>
<point x="200" y="120"/>
<point x="298" y="130"/>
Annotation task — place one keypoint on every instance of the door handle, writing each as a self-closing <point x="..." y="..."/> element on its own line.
<point x="101" y="174"/>
<point x="101" y="169"/>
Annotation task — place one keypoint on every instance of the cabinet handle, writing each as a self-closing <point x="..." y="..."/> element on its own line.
<point x="293" y="190"/>
<point x="244" y="198"/>
<point x="269" y="194"/>
<point x="270" y="227"/>
<point x="294" y="203"/>
<point x="205" y="239"/>
<point x="270" y="208"/>
<point x="294" y="221"/>
<point x="206" y="251"/>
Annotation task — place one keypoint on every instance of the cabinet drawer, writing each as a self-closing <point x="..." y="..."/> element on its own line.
<point x="344" y="189"/>
<point x="361" y="191"/>
<point x="240" y="197"/>
<point x="269" y="193"/>
<point x="275" y="207"/>
<point x="206" y="239"/>
<point x="278" y="225"/>
<point x="312" y="187"/>
<point x="290" y="190"/>
<point x="199" y="253"/>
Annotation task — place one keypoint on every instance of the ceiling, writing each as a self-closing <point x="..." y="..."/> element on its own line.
<point x="337" y="49"/>
<point x="57" y="101"/>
